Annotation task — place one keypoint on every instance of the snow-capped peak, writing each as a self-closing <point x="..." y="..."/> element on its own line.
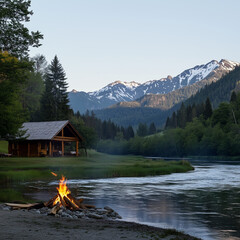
<point x="228" y="65"/>
<point x="127" y="84"/>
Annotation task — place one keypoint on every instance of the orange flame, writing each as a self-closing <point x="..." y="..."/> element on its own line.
<point x="63" y="193"/>
<point x="63" y="190"/>
<point x="54" y="174"/>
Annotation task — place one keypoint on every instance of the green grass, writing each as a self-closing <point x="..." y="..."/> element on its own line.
<point x="3" y="147"/>
<point x="96" y="165"/>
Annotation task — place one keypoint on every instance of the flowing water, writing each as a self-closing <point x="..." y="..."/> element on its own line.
<point x="204" y="203"/>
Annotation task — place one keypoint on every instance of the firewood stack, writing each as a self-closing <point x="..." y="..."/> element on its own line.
<point x="68" y="202"/>
<point x="73" y="204"/>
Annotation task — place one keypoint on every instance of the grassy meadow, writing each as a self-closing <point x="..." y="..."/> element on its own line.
<point x="95" y="165"/>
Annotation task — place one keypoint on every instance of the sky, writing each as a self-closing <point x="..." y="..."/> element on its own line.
<point x="102" y="41"/>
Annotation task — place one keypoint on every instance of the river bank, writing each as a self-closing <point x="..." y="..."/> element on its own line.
<point x="19" y="224"/>
<point x="95" y="165"/>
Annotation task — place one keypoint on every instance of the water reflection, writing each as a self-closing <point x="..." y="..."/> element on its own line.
<point x="204" y="203"/>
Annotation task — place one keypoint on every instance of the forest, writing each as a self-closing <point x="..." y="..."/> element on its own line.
<point x="210" y="133"/>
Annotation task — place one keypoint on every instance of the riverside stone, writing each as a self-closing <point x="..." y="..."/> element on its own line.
<point x="95" y="213"/>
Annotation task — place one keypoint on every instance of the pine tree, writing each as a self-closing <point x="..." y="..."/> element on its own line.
<point x="142" y="130"/>
<point x="207" y="113"/>
<point x="152" y="129"/>
<point x="130" y="132"/>
<point x="168" y="123"/>
<point x="194" y="111"/>
<point x="55" y="102"/>
<point x="182" y="116"/>
<point x="174" y="120"/>
<point x="189" y="113"/>
<point x="233" y="97"/>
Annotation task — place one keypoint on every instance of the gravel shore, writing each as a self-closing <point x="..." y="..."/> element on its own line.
<point x="24" y="224"/>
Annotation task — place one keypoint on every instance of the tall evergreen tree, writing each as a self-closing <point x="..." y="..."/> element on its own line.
<point x="152" y="129"/>
<point x="174" y="120"/>
<point x="55" y="102"/>
<point x="189" y="113"/>
<point x="233" y="97"/>
<point x="168" y="123"/>
<point x="130" y="133"/>
<point x="182" y="116"/>
<point x="207" y="113"/>
<point x="194" y="111"/>
<point x="142" y="130"/>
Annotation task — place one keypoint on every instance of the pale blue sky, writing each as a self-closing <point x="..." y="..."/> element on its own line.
<point x="101" y="41"/>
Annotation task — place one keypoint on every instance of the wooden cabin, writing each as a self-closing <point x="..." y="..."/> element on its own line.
<point x="46" y="139"/>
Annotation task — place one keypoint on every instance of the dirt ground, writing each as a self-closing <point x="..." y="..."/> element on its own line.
<point x="19" y="224"/>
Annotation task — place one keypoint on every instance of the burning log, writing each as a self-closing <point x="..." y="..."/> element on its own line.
<point x="51" y="201"/>
<point x="62" y="201"/>
<point x="70" y="204"/>
<point x="76" y="201"/>
<point x="73" y="199"/>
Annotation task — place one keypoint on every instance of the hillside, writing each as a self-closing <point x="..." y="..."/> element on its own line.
<point x="133" y="116"/>
<point x="219" y="91"/>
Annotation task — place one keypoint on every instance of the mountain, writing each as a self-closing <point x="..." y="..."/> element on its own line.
<point x="107" y="96"/>
<point x="125" y="92"/>
<point x="184" y="89"/>
<point x="218" y="91"/>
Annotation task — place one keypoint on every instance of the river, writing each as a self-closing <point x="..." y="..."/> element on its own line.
<point x="204" y="203"/>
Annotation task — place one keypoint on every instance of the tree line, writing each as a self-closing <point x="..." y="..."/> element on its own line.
<point x="187" y="114"/>
<point x="214" y="135"/>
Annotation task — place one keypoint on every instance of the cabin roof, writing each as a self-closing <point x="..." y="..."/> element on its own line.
<point x="43" y="130"/>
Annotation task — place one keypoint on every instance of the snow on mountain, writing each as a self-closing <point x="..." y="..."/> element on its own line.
<point x="119" y="91"/>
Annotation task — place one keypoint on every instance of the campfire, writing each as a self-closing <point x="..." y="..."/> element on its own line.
<point x="63" y="204"/>
<point x="63" y="199"/>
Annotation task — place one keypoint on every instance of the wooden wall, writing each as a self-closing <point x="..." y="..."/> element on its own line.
<point x="24" y="148"/>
